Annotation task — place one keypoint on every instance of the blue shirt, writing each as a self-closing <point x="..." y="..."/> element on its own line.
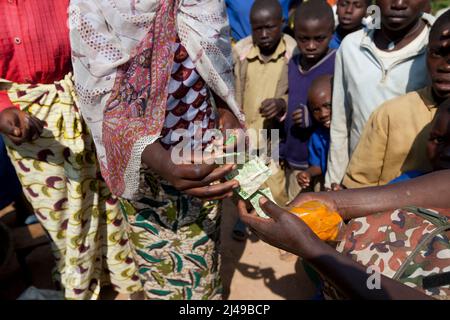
<point x="407" y="176"/>
<point x="294" y="146"/>
<point x="318" y="147"/>
<point x="239" y="16"/>
<point x="335" y="42"/>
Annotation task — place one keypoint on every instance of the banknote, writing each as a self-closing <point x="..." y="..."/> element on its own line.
<point x="254" y="200"/>
<point x="251" y="176"/>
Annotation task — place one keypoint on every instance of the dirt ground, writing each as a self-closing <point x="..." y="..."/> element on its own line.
<point x="251" y="270"/>
<point x="254" y="270"/>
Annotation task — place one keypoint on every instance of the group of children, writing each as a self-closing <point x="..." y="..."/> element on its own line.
<point x="354" y="102"/>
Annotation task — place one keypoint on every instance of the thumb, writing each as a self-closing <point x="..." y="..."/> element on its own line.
<point x="271" y="209"/>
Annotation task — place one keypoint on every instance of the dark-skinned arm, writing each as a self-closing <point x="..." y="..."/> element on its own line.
<point x="426" y="191"/>
<point x="286" y="231"/>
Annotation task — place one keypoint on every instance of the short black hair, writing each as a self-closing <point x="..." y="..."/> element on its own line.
<point x="326" y="79"/>
<point x="440" y="23"/>
<point x="315" y="10"/>
<point x="273" y="6"/>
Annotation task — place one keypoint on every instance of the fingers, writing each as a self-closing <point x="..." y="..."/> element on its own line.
<point x="271" y="114"/>
<point x="303" y="184"/>
<point x="266" y="103"/>
<point x="37" y="124"/>
<point x="10" y="124"/>
<point x="221" y="197"/>
<point x="33" y="127"/>
<point x="336" y="187"/>
<point x="21" y="127"/>
<point x="297" y="116"/>
<point x="194" y="172"/>
<point x="271" y="108"/>
<point x="271" y="209"/>
<point x="303" y="179"/>
<point x="267" y="106"/>
<point x="14" y="129"/>
<point x="220" y="173"/>
<point x="250" y="218"/>
<point x="242" y="210"/>
<point x="186" y="182"/>
<point x="214" y="192"/>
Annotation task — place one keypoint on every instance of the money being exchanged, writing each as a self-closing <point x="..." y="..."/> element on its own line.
<point x="251" y="176"/>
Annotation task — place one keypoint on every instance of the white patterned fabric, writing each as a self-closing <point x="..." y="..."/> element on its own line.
<point x="104" y="37"/>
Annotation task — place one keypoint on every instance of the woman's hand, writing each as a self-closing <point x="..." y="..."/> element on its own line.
<point x="19" y="126"/>
<point x="194" y="179"/>
<point x="283" y="230"/>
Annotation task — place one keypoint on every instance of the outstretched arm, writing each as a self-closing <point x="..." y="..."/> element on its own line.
<point x="286" y="231"/>
<point x="425" y="191"/>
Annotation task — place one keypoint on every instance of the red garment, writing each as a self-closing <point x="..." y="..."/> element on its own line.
<point x="34" y="41"/>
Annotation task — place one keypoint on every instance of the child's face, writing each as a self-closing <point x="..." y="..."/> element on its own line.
<point x="313" y="37"/>
<point x="351" y="13"/>
<point x="439" y="141"/>
<point x="319" y="104"/>
<point x="438" y="60"/>
<point x="266" y="31"/>
<point x="399" y="14"/>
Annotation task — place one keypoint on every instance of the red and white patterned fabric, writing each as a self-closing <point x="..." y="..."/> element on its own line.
<point x="188" y="103"/>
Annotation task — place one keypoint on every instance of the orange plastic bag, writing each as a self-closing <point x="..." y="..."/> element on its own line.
<point x="325" y="223"/>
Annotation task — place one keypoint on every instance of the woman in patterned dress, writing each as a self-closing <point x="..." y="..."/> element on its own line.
<point x="143" y="70"/>
<point x="56" y="164"/>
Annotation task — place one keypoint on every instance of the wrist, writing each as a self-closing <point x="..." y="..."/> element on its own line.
<point x="154" y="156"/>
<point x="312" y="248"/>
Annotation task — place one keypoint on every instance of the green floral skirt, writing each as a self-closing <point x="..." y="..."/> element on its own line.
<point x="175" y="241"/>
